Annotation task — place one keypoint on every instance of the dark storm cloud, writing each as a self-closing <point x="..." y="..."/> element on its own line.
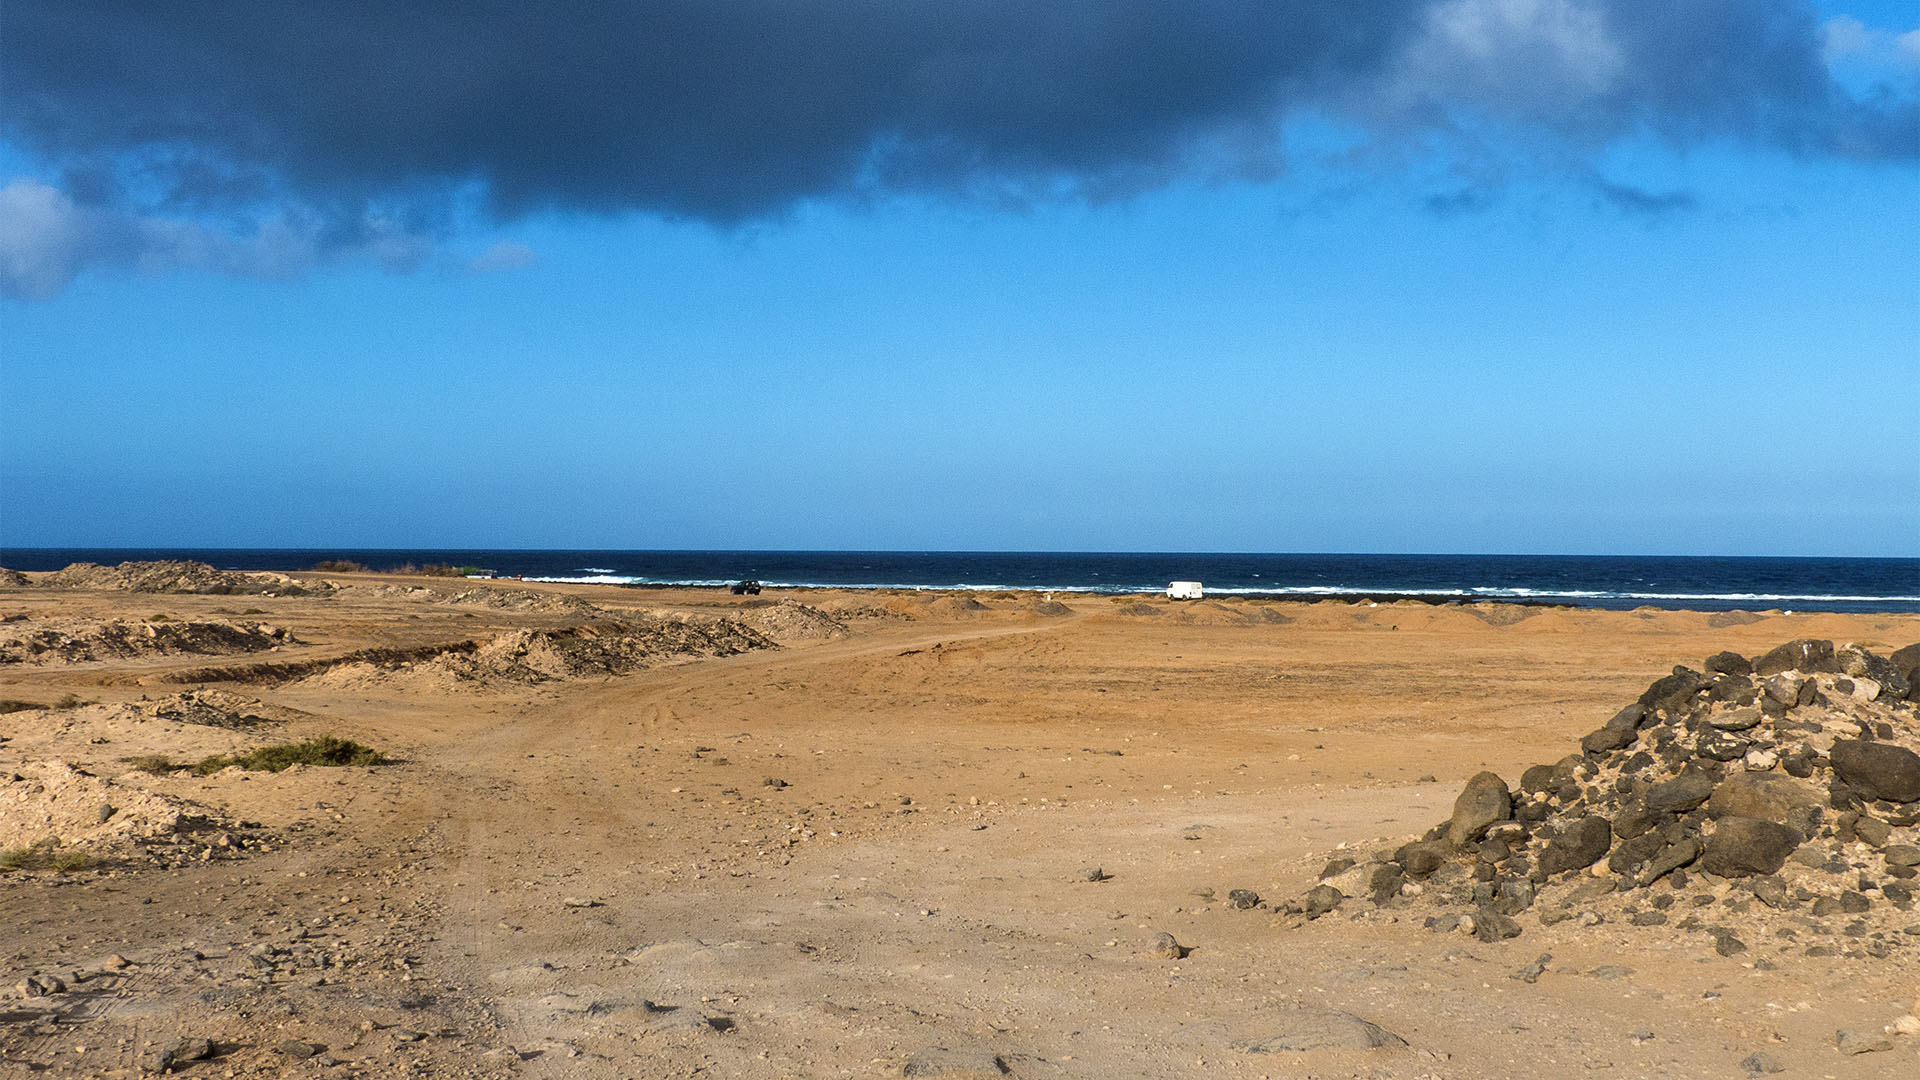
<point x="348" y="121"/>
<point x="704" y="109"/>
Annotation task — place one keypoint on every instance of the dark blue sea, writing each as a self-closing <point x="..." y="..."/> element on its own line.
<point x="1602" y="581"/>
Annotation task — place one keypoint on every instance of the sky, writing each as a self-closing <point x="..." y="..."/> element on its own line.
<point x="1530" y="276"/>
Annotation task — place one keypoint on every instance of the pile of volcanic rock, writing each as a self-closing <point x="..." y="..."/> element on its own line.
<point x="1758" y="797"/>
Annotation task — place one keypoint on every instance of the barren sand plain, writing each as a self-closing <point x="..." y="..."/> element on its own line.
<point x="853" y="839"/>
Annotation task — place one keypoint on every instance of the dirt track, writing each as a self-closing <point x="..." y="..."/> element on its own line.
<point x="861" y="855"/>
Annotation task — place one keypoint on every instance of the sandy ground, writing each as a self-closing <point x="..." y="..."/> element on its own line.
<point x="862" y="852"/>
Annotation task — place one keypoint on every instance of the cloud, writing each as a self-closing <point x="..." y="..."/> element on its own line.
<point x="47" y="238"/>
<point x="501" y="256"/>
<point x="342" y="115"/>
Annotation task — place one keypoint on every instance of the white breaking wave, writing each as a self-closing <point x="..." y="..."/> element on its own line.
<point x="607" y="577"/>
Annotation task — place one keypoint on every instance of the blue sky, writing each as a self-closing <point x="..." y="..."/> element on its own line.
<point x="1502" y="277"/>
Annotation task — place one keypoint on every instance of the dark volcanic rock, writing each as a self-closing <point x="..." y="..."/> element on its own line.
<point x="1744" y="846"/>
<point x="1582" y="845"/>
<point x="1484" y="801"/>
<point x="1728" y="663"/>
<point x="1878" y="770"/>
<point x="1806" y="654"/>
<point x="1422" y="857"/>
<point x="1683" y="792"/>
<point x="1680" y="853"/>
<point x="1673" y="692"/>
<point x="1770" y="797"/>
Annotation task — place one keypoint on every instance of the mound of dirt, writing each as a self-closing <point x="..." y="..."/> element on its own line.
<point x="75" y="642"/>
<point x="956" y="607"/>
<point x="1498" y="614"/>
<point x="173" y="576"/>
<point x="1775" y="800"/>
<point x="532" y="656"/>
<point x="211" y="708"/>
<point x="52" y="805"/>
<point x="851" y="610"/>
<point x="790" y="620"/>
<point x="525" y="600"/>
<point x="1048" y="607"/>
<point x="13" y="579"/>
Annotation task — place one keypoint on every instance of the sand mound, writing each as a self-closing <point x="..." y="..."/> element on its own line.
<point x="211" y="708"/>
<point x="52" y="800"/>
<point x="13" y="579"/>
<point x="1775" y="800"/>
<point x="532" y="656"/>
<point x="790" y="620"/>
<point x="956" y="607"/>
<point x="1722" y="619"/>
<point x="851" y="610"/>
<point x="1498" y="614"/>
<point x="525" y="600"/>
<point x="484" y="596"/>
<point x="173" y="577"/>
<point x="1048" y="607"/>
<point x="78" y="642"/>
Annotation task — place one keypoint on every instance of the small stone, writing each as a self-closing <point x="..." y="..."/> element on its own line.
<point x="579" y="902"/>
<point x="1861" y="1042"/>
<point x="1243" y="899"/>
<point x="298" y="1049"/>
<point x="1092" y="873"/>
<point x="1492" y="926"/>
<point x="1726" y="944"/>
<point x="1760" y="1063"/>
<point x="1871" y="831"/>
<point x="1531" y="973"/>
<point x="1321" y="899"/>
<point x="1164" y="947"/>
<point x="1682" y="793"/>
<point x="1901" y="854"/>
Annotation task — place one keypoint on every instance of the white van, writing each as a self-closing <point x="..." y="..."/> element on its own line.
<point x="1184" y="590"/>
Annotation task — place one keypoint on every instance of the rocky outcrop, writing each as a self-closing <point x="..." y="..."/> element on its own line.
<point x="1787" y="785"/>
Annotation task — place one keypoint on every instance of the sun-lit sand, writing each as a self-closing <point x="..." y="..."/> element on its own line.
<point x="847" y="834"/>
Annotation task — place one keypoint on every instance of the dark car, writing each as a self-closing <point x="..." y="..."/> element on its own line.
<point x="745" y="588"/>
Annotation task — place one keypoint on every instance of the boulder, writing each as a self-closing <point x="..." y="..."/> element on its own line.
<point x="1728" y="663"/>
<point x="1804" y="655"/>
<point x="1422" y="857"/>
<point x="1878" y="770"/>
<point x="1907" y="662"/>
<point x="1679" y="853"/>
<point x="1580" y="846"/>
<point x="1770" y="797"/>
<point x="1484" y="801"/>
<point x="1744" y="847"/>
<point x="1673" y="692"/>
<point x="1682" y="793"/>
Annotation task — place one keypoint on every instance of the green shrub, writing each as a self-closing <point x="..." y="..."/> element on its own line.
<point x="8" y="705"/>
<point x="71" y="701"/>
<point x="339" y="566"/>
<point x="44" y="855"/>
<point x="157" y="764"/>
<point x="325" y="750"/>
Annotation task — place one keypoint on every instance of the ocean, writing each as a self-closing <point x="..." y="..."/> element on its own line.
<point x="1700" y="583"/>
